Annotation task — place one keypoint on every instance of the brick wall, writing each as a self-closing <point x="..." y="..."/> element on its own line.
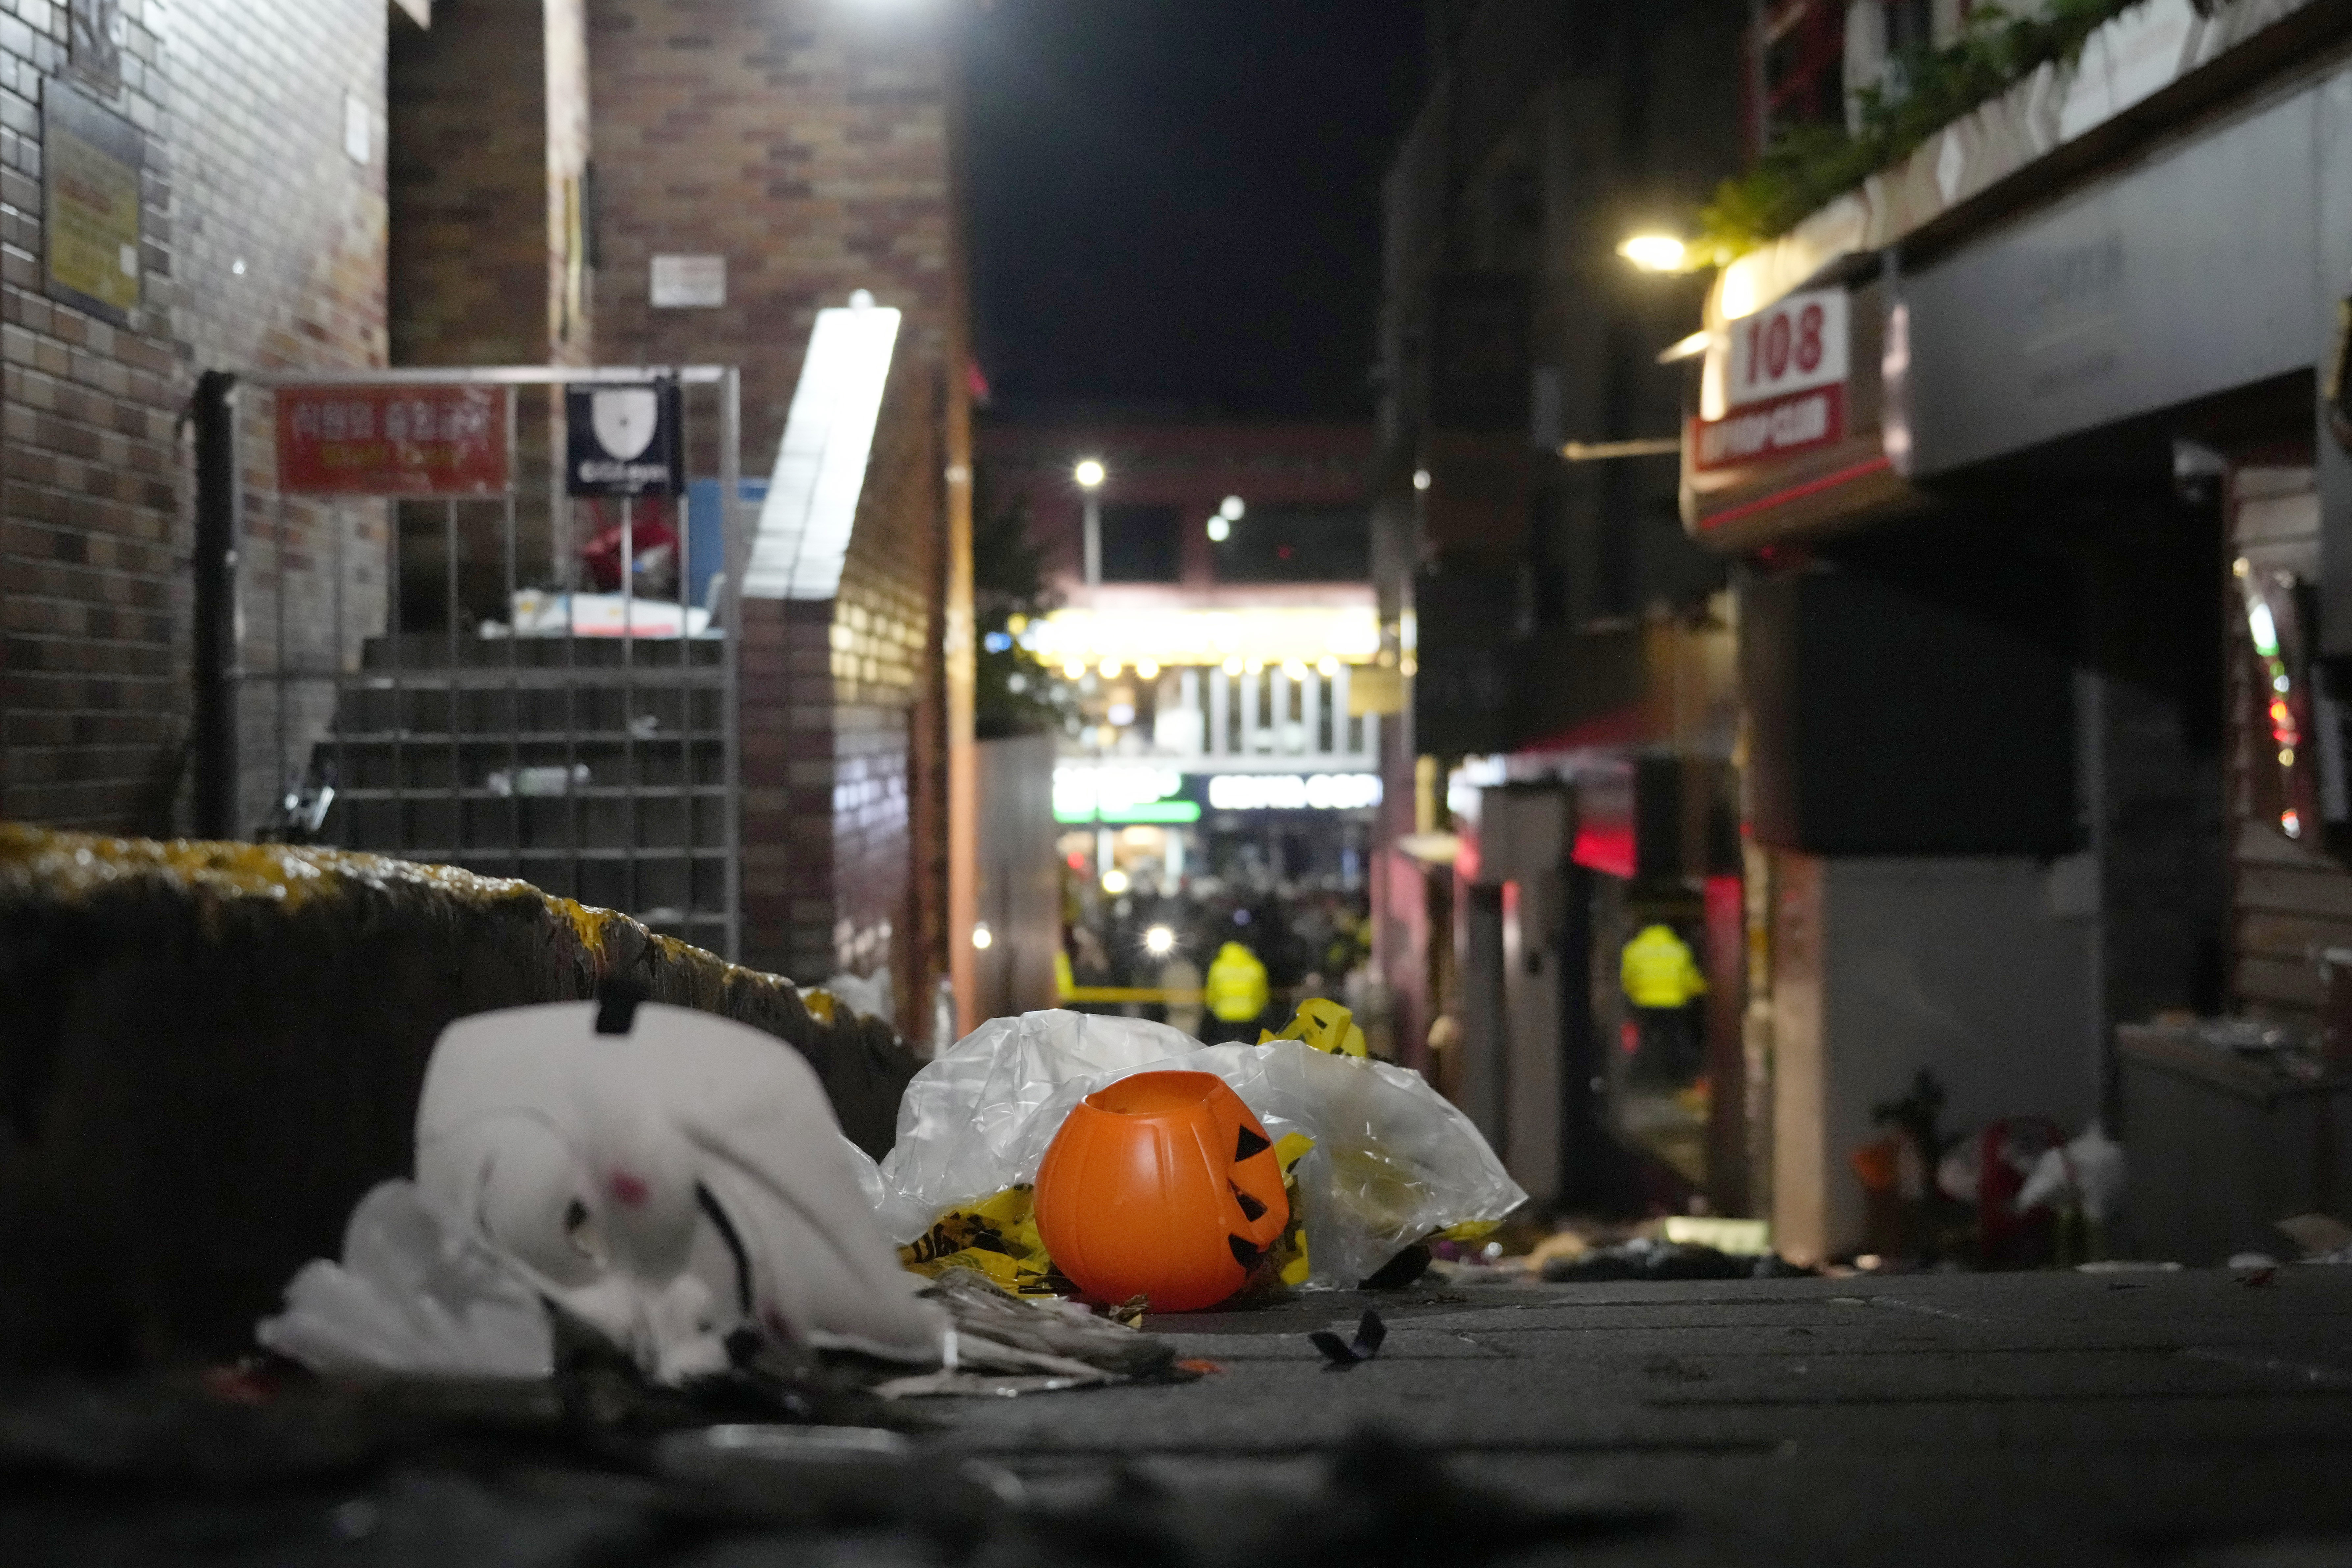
<point x="490" y="136"/>
<point x="888" y="898"/>
<point x="805" y="141"/>
<point x="469" y="265"/>
<point x="842" y="872"/>
<point x="263" y="244"/>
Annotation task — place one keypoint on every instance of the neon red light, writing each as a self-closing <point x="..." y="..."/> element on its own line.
<point x="1605" y="848"/>
<point x="1796" y="493"/>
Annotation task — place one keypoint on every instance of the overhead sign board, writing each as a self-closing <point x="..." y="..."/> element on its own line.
<point x="1794" y="437"/>
<point x="1084" y="792"/>
<point x="413" y="442"/>
<point x="1293" y="792"/>
<point x="1795" y="346"/>
<point x="1782" y="375"/>
<point x="2108" y="308"/>
<point x="625" y="440"/>
<point x="1142" y="793"/>
<point x="1773" y="429"/>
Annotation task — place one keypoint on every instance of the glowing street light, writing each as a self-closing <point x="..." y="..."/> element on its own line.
<point x="1656" y="252"/>
<point x="1221" y="528"/>
<point x="981" y="937"/>
<point x="1090" y="474"/>
<point x="1160" y="942"/>
<point x="1115" y="882"/>
<point x="1231" y="508"/>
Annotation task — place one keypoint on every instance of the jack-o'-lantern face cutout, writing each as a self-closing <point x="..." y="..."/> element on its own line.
<point x="1161" y="1186"/>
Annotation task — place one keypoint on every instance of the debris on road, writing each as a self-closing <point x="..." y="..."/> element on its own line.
<point x="2323" y="1237"/>
<point x="412" y="1294"/>
<point x="1343" y="1353"/>
<point x="1162" y="1185"/>
<point x="1648" y="1258"/>
<point x="1003" y="1345"/>
<point x="1382" y="1161"/>
<point x="668" y="1177"/>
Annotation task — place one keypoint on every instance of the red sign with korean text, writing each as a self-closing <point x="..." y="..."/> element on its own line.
<point x="413" y="442"/>
<point x="1773" y="429"/>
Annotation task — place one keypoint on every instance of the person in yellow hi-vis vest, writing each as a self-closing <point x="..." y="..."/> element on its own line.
<point x="1235" y="992"/>
<point x="1661" y="978"/>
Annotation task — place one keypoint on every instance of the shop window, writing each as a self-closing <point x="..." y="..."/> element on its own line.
<point x="1298" y="544"/>
<point x="1798" y="47"/>
<point x="1140" y="544"/>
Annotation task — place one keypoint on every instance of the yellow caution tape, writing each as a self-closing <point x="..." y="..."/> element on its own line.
<point x="1324" y="1025"/>
<point x="1289" y="1250"/>
<point x="998" y="1238"/>
<point x="1146" y="994"/>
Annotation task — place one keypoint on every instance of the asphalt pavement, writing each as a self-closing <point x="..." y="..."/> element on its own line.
<point x="2192" y="1419"/>
<point x="2197" y="1416"/>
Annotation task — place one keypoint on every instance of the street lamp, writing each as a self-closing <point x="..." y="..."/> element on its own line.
<point x="1090" y="474"/>
<point x="1656" y="252"/>
<point x="1221" y="521"/>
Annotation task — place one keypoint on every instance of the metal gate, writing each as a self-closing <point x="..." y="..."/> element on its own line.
<point x="439" y="680"/>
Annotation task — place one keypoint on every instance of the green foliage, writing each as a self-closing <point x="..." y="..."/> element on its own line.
<point x="1014" y="693"/>
<point x="1927" y="89"/>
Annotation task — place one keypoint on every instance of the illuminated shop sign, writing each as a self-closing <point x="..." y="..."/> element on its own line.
<point x="1777" y="383"/>
<point x="1083" y="793"/>
<point x="1795" y="424"/>
<point x="1293" y="792"/>
<point x="1081" y="638"/>
<point x="1114" y="794"/>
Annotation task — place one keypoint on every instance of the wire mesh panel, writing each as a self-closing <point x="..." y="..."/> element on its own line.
<point x="444" y="655"/>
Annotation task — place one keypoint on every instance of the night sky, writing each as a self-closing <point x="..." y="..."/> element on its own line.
<point x="1175" y="203"/>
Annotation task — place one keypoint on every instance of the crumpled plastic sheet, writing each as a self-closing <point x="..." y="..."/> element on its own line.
<point x="2088" y="1171"/>
<point x="1394" y="1160"/>
<point x="412" y="1295"/>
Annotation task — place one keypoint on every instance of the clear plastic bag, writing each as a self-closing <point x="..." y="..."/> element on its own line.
<point x="1394" y="1161"/>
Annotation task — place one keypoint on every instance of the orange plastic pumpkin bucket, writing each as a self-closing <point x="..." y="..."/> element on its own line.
<point x="1161" y="1186"/>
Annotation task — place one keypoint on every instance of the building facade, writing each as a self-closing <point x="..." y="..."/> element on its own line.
<point x="1562" y="778"/>
<point x="251" y="228"/>
<point x="2041" y="589"/>
<point x="345" y="184"/>
<point x="1209" y="613"/>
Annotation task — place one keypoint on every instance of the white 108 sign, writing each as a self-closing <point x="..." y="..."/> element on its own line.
<point x="1794" y="345"/>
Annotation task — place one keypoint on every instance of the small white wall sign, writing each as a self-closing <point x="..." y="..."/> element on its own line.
<point x="689" y="282"/>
